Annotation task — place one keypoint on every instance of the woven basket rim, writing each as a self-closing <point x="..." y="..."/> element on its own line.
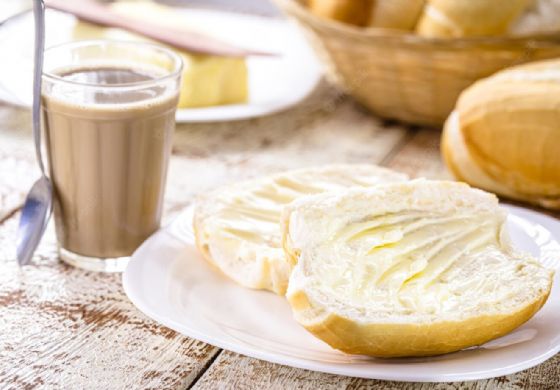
<point x="375" y="34"/>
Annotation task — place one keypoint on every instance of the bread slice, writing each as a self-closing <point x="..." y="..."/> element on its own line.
<point x="408" y="269"/>
<point x="237" y="227"/>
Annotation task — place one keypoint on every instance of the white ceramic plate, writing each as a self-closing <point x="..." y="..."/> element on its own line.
<point x="170" y="282"/>
<point x="274" y="83"/>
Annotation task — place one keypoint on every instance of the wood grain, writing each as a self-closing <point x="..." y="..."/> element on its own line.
<point x="62" y="327"/>
<point x="233" y="371"/>
<point x="17" y="161"/>
<point x="420" y="156"/>
<point x="209" y="155"/>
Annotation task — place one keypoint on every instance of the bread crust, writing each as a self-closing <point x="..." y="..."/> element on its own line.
<point x="400" y="340"/>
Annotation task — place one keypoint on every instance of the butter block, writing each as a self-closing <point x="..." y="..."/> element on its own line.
<point x="212" y="80"/>
<point x="207" y="80"/>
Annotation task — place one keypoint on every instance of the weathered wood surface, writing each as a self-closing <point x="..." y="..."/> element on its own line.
<point x="61" y="327"/>
<point x="233" y="371"/>
<point x="17" y="167"/>
<point x="66" y="328"/>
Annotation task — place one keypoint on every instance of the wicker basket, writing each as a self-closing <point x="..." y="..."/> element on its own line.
<point x="407" y="77"/>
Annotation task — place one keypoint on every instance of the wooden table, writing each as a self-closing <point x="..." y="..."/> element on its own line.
<point x="65" y="328"/>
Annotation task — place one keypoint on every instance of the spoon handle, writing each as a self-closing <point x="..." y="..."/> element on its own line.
<point x="37" y="208"/>
<point x="39" y="13"/>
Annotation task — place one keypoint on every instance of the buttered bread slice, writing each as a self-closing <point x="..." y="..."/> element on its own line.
<point x="237" y="227"/>
<point x="408" y="269"/>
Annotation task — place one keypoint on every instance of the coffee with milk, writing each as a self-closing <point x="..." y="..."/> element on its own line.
<point x="108" y="156"/>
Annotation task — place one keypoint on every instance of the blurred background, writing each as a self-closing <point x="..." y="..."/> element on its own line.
<point x="9" y="8"/>
<point x="398" y="62"/>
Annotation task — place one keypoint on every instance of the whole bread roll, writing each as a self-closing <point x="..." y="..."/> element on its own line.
<point x="504" y="135"/>
<point x="397" y="14"/>
<point x="408" y="269"/>
<point x="464" y="18"/>
<point x="355" y="12"/>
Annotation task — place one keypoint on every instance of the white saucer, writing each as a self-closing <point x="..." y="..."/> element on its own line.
<point x="170" y="282"/>
<point x="275" y="83"/>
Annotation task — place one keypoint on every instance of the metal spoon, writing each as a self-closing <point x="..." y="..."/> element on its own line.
<point x="38" y="204"/>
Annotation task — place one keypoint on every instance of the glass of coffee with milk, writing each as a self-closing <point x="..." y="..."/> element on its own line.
<point x="109" y="116"/>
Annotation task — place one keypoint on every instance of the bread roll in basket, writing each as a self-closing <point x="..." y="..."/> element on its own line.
<point x="504" y="135"/>
<point x="408" y="77"/>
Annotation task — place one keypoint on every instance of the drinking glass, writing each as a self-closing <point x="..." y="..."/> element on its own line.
<point x="108" y="120"/>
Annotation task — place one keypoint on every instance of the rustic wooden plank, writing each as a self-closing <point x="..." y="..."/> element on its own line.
<point x="202" y="140"/>
<point x="17" y="165"/>
<point x="335" y="131"/>
<point x="61" y="327"/>
<point x="542" y="377"/>
<point x="233" y="371"/>
<point x="208" y="155"/>
<point x="420" y="156"/>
